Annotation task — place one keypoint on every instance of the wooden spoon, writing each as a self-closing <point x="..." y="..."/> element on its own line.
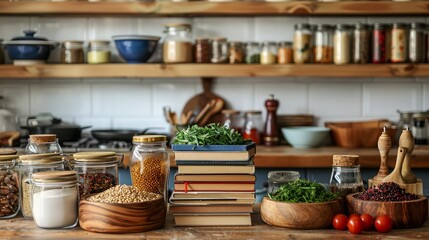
<point x="396" y="176"/>
<point x="219" y="103"/>
<point x="384" y="145"/>
<point x="406" y="140"/>
<point x="204" y="111"/>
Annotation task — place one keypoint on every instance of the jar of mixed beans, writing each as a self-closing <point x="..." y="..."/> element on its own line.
<point x="399" y="43"/>
<point x="150" y="164"/>
<point x="361" y="43"/>
<point x="9" y="187"/>
<point x="97" y="171"/>
<point x="236" y="52"/>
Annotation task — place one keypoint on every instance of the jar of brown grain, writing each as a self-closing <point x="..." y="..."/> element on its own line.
<point x="150" y="163"/>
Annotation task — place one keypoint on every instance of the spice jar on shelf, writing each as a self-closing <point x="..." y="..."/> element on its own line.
<point x="202" y="50"/>
<point x="177" y="46"/>
<point x="417" y="43"/>
<point x="98" y="52"/>
<point x="150" y="164"/>
<point x="219" y="50"/>
<point x="361" y="43"/>
<point x="323" y="44"/>
<point x="30" y="164"/>
<point x="253" y="126"/>
<point x="236" y="52"/>
<point x="232" y="119"/>
<point x="269" y="53"/>
<point x="379" y="43"/>
<point x="346" y="177"/>
<point x="399" y="43"/>
<point x="55" y="199"/>
<point x="43" y="143"/>
<point x="285" y="53"/>
<point x="342" y="44"/>
<point x="72" y="52"/>
<point x="9" y="184"/>
<point x="252" y="52"/>
<point x="302" y="43"/>
<point x="97" y="171"/>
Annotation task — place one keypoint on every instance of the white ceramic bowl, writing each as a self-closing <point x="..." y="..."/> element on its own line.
<point x="306" y="137"/>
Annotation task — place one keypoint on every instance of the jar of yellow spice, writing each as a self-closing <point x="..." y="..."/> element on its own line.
<point x="98" y="52"/>
<point x="150" y="163"/>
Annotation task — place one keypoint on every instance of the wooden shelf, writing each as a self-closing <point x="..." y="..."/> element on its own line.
<point x="211" y="70"/>
<point x="201" y="8"/>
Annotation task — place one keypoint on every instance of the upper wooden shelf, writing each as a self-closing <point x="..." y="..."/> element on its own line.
<point x="211" y="70"/>
<point x="202" y="8"/>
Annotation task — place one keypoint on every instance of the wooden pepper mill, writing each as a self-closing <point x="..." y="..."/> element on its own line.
<point x="395" y="175"/>
<point x="406" y="140"/>
<point x="384" y="146"/>
<point x="271" y="134"/>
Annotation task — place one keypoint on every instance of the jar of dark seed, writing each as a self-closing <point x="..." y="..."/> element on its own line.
<point x="346" y="177"/>
<point x="9" y="187"/>
<point x="29" y="164"/>
<point x="150" y="164"/>
<point x="202" y="50"/>
<point x="97" y="171"/>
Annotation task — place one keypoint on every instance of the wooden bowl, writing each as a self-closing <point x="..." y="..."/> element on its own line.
<point x="121" y="217"/>
<point x="404" y="214"/>
<point x="300" y="215"/>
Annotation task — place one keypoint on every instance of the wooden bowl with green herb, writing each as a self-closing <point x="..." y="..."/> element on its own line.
<point x="301" y="205"/>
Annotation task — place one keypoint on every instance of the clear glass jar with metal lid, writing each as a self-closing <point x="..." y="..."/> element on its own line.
<point x="9" y="187"/>
<point x="323" y="44"/>
<point x="177" y="46"/>
<point x="302" y="43"/>
<point x="269" y="53"/>
<point x="150" y="164"/>
<point x="361" y="43"/>
<point x="219" y="50"/>
<point x="55" y="199"/>
<point x="342" y="44"/>
<point x="97" y="171"/>
<point x="72" y="52"/>
<point x="399" y="43"/>
<point x="236" y="52"/>
<point x="43" y="143"/>
<point x="98" y="52"/>
<point x="30" y="164"/>
<point x="417" y="43"/>
<point x="252" y="52"/>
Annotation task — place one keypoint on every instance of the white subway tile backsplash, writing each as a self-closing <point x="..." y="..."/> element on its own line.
<point x="237" y="96"/>
<point x="156" y="26"/>
<point x="234" y="29"/>
<point x="16" y="98"/>
<point x="426" y="96"/>
<point x="173" y="95"/>
<point x="276" y="28"/>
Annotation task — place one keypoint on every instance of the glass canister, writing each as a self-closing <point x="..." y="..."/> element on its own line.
<point x="379" y="43"/>
<point x="323" y="44"/>
<point x="236" y="52"/>
<point x="417" y="43"/>
<point x="219" y="50"/>
<point x="72" y="52"/>
<point x="232" y="119"/>
<point x="285" y="53"/>
<point x="419" y="128"/>
<point x="9" y="187"/>
<point x="98" y="52"/>
<point x="361" y="43"/>
<point x="252" y="52"/>
<point x="399" y="43"/>
<point x="277" y="178"/>
<point x="2" y="56"/>
<point x="150" y="164"/>
<point x="202" y="50"/>
<point x="55" y="199"/>
<point x="269" y="53"/>
<point x="342" y="44"/>
<point x="30" y="164"/>
<point x="97" y="171"/>
<point x="177" y="46"/>
<point x="346" y="177"/>
<point x="302" y="43"/>
<point x="253" y="126"/>
<point x="43" y="143"/>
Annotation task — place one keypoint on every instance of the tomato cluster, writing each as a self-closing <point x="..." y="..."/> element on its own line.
<point x="356" y="223"/>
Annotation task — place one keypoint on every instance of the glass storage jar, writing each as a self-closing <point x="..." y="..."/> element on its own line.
<point x="285" y="53"/>
<point x="202" y="50"/>
<point x="417" y="43"/>
<point x="2" y="56"/>
<point x="323" y="45"/>
<point x="268" y="53"/>
<point x="72" y="52"/>
<point x="253" y="126"/>
<point x="419" y="128"/>
<point x="55" y="199"/>
<point x="302" y="43"/>
<point x="219" y="50"/>
<point x="345" y="177"/>
<point x="232" y="119"/>
<point x="277" y="178"/>
<point x="98" y="52"/>
<point x="379" y="43"/>
<point x="399" y="43"/>
<point x="30" y="164"/>
<point x="9" y="186"/>
<point x="252" y="52"/>
<point x="43" y="143"/>
<point x="361" y="43"/>
<point x="342" y="44"/>
<point x="150" y="164"/>
<point x="97" y="171"/>
<point x="177" y="46"/>
<point x="236" y="52"/>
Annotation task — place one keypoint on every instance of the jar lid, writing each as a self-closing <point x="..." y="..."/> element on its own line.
<point x="202" y="39"/>
<point x="324" y="27"/>
<point x="178" y="26"/>
<point x="342" y="26"/>
<point x="55" y="176"/>
<point x="149" y="138"/>
<point x="230" y="112"/>
<point x="235" y="43"/>
<point x="70" y="43"/>
<point x="94" y="156"/>
<point x="8" y="158"/>
<point x="361" y="26"/>
<point x="219" y="39"/>
<point x="40" y="158"/>
<point x="302" y="25"/>
<point x="399" y="25"/>
<point x="252" y="112"/>
<point x="7" y="151"/>
<point x="43" y="138"/>
<point x="345" y="160"/>
<point x="99" y="42"/>
<point x="381" y="25"/>
<point x="418" y="25"/>
<point x="283" y="176"/>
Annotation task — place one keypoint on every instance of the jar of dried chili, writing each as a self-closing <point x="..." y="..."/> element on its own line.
<point x="379" y="43"/>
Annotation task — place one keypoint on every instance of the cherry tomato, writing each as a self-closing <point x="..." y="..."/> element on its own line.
<point x="383" y="223"/>
<point x="354" y="215"/>
<point x="355" y="225"/>
<point x="368" y="221"/>
<point x="339" y="222"/>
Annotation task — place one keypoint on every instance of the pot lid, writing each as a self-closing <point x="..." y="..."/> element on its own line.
<point x="55" y="176"/>
<point x="7" y="158"/>
<point x="29" y="39"/>
<point x="149" y="138"/>
<point x="94" y="156"/>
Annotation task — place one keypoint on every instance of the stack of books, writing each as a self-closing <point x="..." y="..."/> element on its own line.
<point x="214" y="185"/>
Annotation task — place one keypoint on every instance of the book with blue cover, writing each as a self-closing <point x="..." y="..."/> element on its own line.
<point x="221" y="148"/>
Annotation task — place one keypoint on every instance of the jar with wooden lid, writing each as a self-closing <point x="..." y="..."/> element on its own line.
<point x="72" y="52"/>
<point x="150" y="164"/>
<point x="98" y="52"/>
<point x="399" y="43"/>
<point x="43" y="143"/>
<point x="202" y="50"/>
<point x="346" y="177"/>
<point x="219" y="51"/>
<point x="302" y="43"/>
<point x="55" y="199"/>
<point x="97" y="171"/>
<point x="9" y="186"/>
<point x="236" y="52"/>
<point x="285" y="53"/>
<point x="323" y="50"/>
<point x="30" y="164"/>
<point x="177" y="46"/>
<point x="342" y="44"/>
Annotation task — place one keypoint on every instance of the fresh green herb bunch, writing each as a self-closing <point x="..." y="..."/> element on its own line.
<point x="211" y="134"/>
<point x="302" y="190"/>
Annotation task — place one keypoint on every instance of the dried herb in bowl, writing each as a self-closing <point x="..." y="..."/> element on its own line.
<point x="302" y="191"/>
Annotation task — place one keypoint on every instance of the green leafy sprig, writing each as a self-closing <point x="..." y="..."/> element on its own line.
<point x="302" y="191"/>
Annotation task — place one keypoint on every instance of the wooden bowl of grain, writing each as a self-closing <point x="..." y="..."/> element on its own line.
<point x="300" y="215"/>
<point x="121" y="217"/>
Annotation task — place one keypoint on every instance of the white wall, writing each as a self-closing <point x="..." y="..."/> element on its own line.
<point x="137" y="103"/>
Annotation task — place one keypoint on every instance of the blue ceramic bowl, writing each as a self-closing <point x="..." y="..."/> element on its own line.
<point x="306" y="137"/>
<point x="28" y="52"/>
<point x="136" y="48"/>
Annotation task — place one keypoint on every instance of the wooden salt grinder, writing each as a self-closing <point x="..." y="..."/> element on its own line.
<point x="384" y="146"/>
<point x="406" y="140"/>
<point x="395" y="175"/>
<point x="271" y="133"/>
